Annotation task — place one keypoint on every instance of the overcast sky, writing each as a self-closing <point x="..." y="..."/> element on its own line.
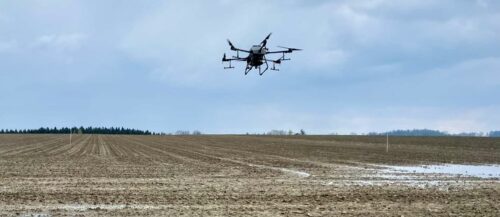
<point x="366" y="65"/>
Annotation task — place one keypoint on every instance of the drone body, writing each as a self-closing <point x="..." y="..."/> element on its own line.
<point x="257" y="56"/>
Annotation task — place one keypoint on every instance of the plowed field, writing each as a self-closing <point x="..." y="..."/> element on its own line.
<point x="103" y="175"/>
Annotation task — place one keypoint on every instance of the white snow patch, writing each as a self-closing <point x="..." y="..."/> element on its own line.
<point x="481" y="171"/>
<point x="441" y="176"/>
<point x="285" y="170"/>
<point x="438" y="184"/>
<point x="298" y="173"/>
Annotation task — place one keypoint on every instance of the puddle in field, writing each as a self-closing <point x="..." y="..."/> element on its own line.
<point x="441" y="176"/>
<point x="481" y="171"/>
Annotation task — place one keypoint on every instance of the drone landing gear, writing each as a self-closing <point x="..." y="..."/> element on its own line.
<point x="267" y="67"/>
<point x="224" y="59"/>
<point x="229" y="67"/>
<point x="274" y="67"/>
<point x="283" y="58"/>
<point x="247" y="69"/>
<point x="262" y="72"/>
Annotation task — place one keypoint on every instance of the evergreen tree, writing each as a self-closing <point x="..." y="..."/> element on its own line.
<point x="86" y="130"/>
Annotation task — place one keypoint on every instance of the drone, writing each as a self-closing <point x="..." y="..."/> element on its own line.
<point x="257" y="56"/>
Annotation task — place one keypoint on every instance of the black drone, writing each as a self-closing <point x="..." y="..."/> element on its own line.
<point x="257" y="56"/>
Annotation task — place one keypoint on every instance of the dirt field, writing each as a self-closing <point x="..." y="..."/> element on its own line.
<point x="101" y="175"/>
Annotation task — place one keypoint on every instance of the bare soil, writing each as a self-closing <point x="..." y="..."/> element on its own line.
<point x="102" y="175"/>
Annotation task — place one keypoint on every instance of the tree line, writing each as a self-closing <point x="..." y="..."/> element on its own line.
<point x="494" y="134"/>
<point x="285" y="133"/>
<point x="79" y="130"/>
<point x="131" y="131"/>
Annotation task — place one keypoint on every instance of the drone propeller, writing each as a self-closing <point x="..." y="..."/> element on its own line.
<point x="231" y="45"/>
<point x="224" y="58"/>
<point x="290" y="49"/>
<point x="264" y="42"/>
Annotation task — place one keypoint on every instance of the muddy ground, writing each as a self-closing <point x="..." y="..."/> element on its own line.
<point x="98" y="175"/>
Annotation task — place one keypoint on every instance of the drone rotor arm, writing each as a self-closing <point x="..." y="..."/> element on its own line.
<point x="234" y="59"/>
<point x="235" y="48"/>
<point x="241" y="50"/>
<point x="278" y="52"/>
<point x="278" y="61"/>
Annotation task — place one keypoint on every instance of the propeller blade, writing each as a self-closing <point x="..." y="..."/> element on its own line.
<point x="290" y="49"/>
<point x="268" y="36"/>
<point x="264" y="42"/>
<point x="224" y="57"/>
<point x="230" y="44"/>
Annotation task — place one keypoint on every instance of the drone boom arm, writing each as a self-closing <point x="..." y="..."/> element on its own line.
<point x="225" y="59"/>
<point x="236" y="49"/>
<point x="278" y="61"/>
<point x="234" y="59"/>
<point x="280" y="52"/>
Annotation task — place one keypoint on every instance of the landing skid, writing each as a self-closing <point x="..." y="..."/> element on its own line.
<point x="267" y="67"/>
<point x="247" y="69"/>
